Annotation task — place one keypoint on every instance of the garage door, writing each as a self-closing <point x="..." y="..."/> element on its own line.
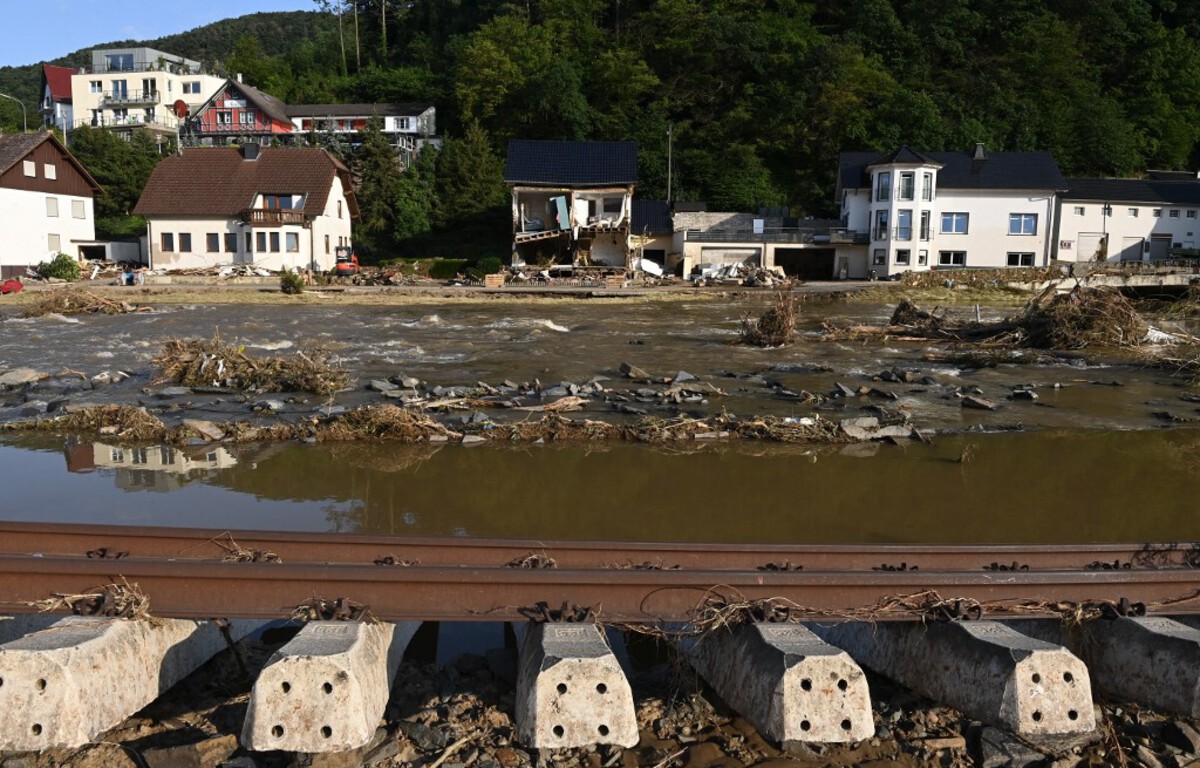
<point x="731" y="255"/>
<point x="1090" y="244"/>
<point x="1131" y="248"/>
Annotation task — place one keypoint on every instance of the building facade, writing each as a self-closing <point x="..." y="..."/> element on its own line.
<point x="279" y="208"/>
<point x="1130" y="220"/>
<point x="56" y="104"/>
<point x="46" y="196"/>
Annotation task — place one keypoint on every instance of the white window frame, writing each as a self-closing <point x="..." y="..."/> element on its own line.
<point x="52" y="207"/>
<point x="952" y="258"/>
<point x="1022" y="224"/>
<point x="954" y="218"/>
<point x="906" y="190"/>
<point x="883" y="186"/>
<point x="30" y="169"/>
<point x="49" y="171"/>
<point x="903" y="256"/>
<point x="1173" y="213"/>
<point x="1080" y="210"/>
<point x="1133" y="213"/>
<point x="54" y="243"/>
<point x="1156" y="213"/>
<point x="927" y="187"/>
<point x="78" y="209"/>
<point x="1019" y="257"/>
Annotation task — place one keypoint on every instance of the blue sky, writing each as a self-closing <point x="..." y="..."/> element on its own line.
<point x="42" y="30"/>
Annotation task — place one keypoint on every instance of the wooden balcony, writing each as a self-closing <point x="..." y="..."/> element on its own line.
<point x="272" y="217"/>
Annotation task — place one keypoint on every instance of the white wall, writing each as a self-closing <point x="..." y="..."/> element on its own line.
<point x="24" y="238"/>
<point x="329" y="224"/>
<point x="1079" y="231"/>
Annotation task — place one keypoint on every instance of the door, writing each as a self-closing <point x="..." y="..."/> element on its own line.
<point x="1160" y="247"/>
<point x="1091" y="247"/>
<point x="1131" y="248"/>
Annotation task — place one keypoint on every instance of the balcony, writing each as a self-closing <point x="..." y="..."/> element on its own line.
<point x="816" y="236"/>
<point x="120" y="98"/>
<point x="165" y="124"/>
<point x="272" y="217"/>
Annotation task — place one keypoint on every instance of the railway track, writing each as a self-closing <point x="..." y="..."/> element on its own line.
<point x="196" y="573"/>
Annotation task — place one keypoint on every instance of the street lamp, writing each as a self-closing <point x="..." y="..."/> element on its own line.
<point x="24" y="117"/>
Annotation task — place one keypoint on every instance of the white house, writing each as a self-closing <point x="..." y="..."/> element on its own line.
<point x="276" y="207"/>
<point x="56" y="105"/>
<point x="572" y="201"/>
<point x="45" y="202"/>
<point x="913" y="211"/>
<point x="1129" y="220"/>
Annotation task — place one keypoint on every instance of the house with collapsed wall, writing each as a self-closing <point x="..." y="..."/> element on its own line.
<point x="1154" y="219"/>
<point x="275" y="207"/>
<point x="46" y="195"/>
<point x="572" y="203"/>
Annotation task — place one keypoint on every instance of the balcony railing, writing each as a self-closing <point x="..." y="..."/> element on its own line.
<point x="129" y="97"/>
<point x="779" y="235"/>
<point x="272" y="217"/>
<point x="130" y="121"/>
<point x="226" y="129"/>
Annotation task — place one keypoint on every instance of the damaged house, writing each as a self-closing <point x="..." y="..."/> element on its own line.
<point x="572" y="202"/>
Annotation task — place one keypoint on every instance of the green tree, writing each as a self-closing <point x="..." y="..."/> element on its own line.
<point x="470" y="177"/>
<point x="377" y="168"/>
<point x="415" y="199"/>
<point x="122" y="168"/>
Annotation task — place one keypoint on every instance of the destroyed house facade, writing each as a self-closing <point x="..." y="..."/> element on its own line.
<point x="277" y="208"/>
<point x="572" y="202"/>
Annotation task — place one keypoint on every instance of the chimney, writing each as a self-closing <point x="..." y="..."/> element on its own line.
<point x="978" y="158"/>
<point x="250" y="152"/>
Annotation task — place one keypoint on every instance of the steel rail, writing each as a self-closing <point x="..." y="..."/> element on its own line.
<point x="291" y="547"/>
<point x="200" y="589"/>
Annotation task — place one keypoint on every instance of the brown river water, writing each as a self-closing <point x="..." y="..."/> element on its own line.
<point x="1106" y="453"/>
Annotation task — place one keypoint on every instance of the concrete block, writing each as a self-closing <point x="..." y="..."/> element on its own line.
<point x="64" y="685"/>
<point x="986" y="670"/>
<point x="787" y="682"/>
<point x="1150" y="660"/>
<point x="21" y="624"/>
<point x="571" y="691"/>
<point x="326" y="690"/>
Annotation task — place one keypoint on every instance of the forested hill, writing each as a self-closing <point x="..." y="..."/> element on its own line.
<point x="761" y="94"/>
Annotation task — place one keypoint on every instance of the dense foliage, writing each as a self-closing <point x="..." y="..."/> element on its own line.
<point x="61" y="267"/>
<point x="122" y="169"/>
<point x="759" y="95"/>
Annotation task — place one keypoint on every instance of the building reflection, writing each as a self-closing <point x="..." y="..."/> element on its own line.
<point x="159" y="468"/>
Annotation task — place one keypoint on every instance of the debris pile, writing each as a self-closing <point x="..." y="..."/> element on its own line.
<point x="214" y="363"/>
<point x="127" y="422"/>
<point x="774" y="327"/>
<point x="77" y="301"/>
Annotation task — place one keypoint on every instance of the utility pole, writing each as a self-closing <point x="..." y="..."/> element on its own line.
<point x="670" y="130"/>
<point x="24" y="117"/>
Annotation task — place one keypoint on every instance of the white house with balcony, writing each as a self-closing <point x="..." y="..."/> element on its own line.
<point x="1130" y="220"/>
<point x="130" y="88"/>
<point x="915" y="211"/>
<point x="276" y="207"/>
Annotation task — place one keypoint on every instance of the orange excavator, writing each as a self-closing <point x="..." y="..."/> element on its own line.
<point x="347" y="262"/>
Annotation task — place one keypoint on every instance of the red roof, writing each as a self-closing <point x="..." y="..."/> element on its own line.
<point x="59" y="80"/>
<point x="220" y="182"/>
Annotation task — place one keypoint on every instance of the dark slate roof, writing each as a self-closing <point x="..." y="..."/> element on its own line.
<point x="1150" y="191"/>
<point x="651" y="217"/>
<point x="357" y="110"/>
<point x="218" y="181"/>
<point x="1172" y="175"/>
<point x="571" y="163"/>
<point x="15" y="147"/>
<point x="906" y="156"/>
<point x="1001" y="170"/>
<point x="271" y="106"/>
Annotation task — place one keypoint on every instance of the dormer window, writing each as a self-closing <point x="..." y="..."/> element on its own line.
<point x="278" y="202"/>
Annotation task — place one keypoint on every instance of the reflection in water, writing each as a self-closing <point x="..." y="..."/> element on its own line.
<point x="1044" y="486"/>
<point x="159" y="468"/>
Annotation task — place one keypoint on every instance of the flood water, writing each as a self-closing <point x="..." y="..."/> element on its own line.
<point x="1107" y="455"/>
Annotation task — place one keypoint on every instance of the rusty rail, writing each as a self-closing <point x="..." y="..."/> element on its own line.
<point x="187" y="573"/>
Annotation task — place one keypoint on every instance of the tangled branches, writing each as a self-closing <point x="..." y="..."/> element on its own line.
<point x="213" y="363"/>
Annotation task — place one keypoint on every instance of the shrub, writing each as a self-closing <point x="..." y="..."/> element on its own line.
<point x="446" y="269"/>
<point x="489" y="265"/>
<point x="62" y="267"/>
<point x="291" y="283"/>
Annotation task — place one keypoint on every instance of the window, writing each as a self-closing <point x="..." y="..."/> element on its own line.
<point x="78" y="209"/>
<point x="168" y="242"/>
<point x="249" y="243"/>
<point x="1020" y="259"/>
<point x="246" y="117"/>
<point x="224" y="117"/>
<point x="612" y="205"/>
<point x="1191" y="214"/>
<point x="922" y="257"/>
<point x="30" y="169"/>
<point x="952" y="258"/>
<point x="261" y="242"/>
<point x="927" y="186"/>
<point x="119" y="62"/>
<point x="904" y="225"/>
<point x="1106" y="211"/>
<point x="54" y="242"/>
<point x="192" y="87"/>
<point x="292" y="241"/>
<point x="120" y="89"/>
<point x="1133" y="212"/>
<point x="139" y="455"/>
<point x="907" y="185"/>
<point x="880" y="257"/>
<point x="185" y="242"/>
<point x="1079" y="210"/>
<point x="52" y="206"/>
<point x="883" y="185"/>
<point x="955" y="223"/>
<point x="95" y="86"/>
<point x="1156" y="213"/>
<point x="903" y="256"/>
<point x="50" y="171"/>
<point x="116" y="454"/>
<point x="339" y="209"/>
<point x="168" y="455"/>
<point x="881" y="225"/>
<point x="278" y="202"/>
<point x="925" y="225"/>
<point x="1173" y="213"/>
<point x="212" y="242"/>
<point x="274" y="242"/>
<point x="1022" y="223"/>
<point x="326" y="244"/>
<point x="230" y="242"/>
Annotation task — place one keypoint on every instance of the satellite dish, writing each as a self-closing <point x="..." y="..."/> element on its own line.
<point x="181" y="108"/>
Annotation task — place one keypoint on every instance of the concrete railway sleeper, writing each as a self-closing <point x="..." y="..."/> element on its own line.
<point x="326" y="690"/>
